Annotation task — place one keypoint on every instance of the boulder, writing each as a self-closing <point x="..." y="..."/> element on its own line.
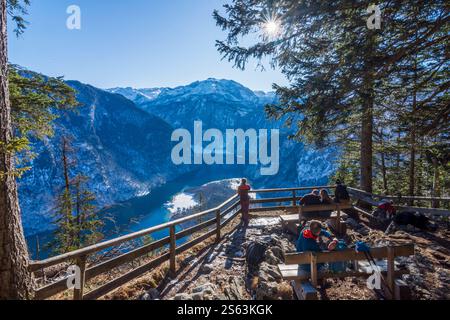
<point x="152" y="294"/>
<point x="208" y="287"/>
<point x="270" y="257"/>
<point x="182" y="297"/>
<point x="267" y="291"/>
<point x="197" y="296"/>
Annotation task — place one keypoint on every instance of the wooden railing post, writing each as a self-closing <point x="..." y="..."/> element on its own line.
<point x="218" y="226"/>
<point x="338" y="221"/>
<point x="294" y="200"/>
<point x="78" y="292"/>
<point x="314" y="280"/>
<point x="173" y="249"/>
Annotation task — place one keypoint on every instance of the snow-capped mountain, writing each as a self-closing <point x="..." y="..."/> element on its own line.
<point x="122" y="141"/>
<point x="138" y="96"/>
<point x="122" y="149"/>
<point x="218" y="103"/>
<point x="226" y="104"/>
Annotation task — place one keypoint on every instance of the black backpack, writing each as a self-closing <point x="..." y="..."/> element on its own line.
<point x="255" y="254"/>
<point x="415" y="219"/>
<point x="341" y="193"/>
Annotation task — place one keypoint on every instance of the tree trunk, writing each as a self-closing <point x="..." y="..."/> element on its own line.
<point x="435" y="192"/>
<point x="65" y="151"/>
<point x="384" y="173"/>
<point x="366" y="148"/>
<point x="383" y="163"/>
<point x="15" y="280"/>
<point x="368" y="100"/>
<point x="413" y="137"/>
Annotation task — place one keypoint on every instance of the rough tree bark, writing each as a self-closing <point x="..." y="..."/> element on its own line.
<point x="15" y="280"/>
<point x="435" y="189"/>
<point x="367" y="125"/>
<point x="413" y="142"/>
<point x="366" y="147"/>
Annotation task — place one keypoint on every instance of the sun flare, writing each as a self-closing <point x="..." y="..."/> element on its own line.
<point x="272" y="27"/>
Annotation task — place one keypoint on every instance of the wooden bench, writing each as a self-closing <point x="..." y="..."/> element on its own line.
<point x="302" y="280"/>
<point x="292" y="222"/>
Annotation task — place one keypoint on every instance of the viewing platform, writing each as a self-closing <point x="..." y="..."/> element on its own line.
<point x="220" y="254"/>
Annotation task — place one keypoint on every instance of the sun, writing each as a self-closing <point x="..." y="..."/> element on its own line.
<point x="272" y="27"/>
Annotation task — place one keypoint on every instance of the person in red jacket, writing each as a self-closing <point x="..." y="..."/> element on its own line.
<point x="243" y="190"/>
<point x="386" y="210"/>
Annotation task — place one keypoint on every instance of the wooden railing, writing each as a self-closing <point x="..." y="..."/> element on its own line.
<point x="293" y="200"/>
<point x="401" y="198"/>
<point x="224" y="214"/>
<point x="375" y="199"/>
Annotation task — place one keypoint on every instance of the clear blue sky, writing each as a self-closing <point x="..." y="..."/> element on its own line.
<point x="138" y="43"/>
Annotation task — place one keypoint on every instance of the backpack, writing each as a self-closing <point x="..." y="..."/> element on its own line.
<point x="415" y="219"/>
<point x="255" y="254"/>
<point x="342" y="193"/>
<point x="340" y="266"/>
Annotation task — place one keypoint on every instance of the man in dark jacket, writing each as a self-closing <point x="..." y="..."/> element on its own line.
<point x="341" y="195"/>
<point x="308" y="240"/>
<point x="311" y="199"/>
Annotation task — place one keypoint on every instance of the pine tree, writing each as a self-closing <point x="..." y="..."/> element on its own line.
<point x="36" y="101"/>
<point x="201" y="206"/>
<point x="347" y="83"/>
<point x="75" y="213"/>
<point x="15" y="280"/>
<point x="27" y="103"/>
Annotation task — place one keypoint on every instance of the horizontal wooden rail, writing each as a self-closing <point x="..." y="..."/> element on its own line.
<point x="290" y="189"/>
<point x="314" y="258"/>
<point x="428" y="211"/>
<point x="272" y="208"/>
<point x="37" y="265"/>
<point x="271" y="200"/>
<point x="400" y="197"/>
<point x="347" y="255"/>
<point x="364" y="213"/>
<point x="328" y="207"/>
<point x="61" y="285"/>
<point x="219" y="217"/>
<point x="116" y="283"/>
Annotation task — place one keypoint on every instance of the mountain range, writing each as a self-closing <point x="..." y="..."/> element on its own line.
<point x="121" y="139"/>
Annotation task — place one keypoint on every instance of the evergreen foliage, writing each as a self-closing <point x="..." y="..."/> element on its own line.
<point x="381" y="95"/>
<point x="78" y="224"/>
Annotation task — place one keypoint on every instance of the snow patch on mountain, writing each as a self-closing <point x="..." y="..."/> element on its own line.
<point x="181" y="202"/>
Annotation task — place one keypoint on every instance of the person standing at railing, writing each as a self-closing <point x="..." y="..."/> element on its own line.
<point x="341" y="195"/>
<point x="243" y="190"/>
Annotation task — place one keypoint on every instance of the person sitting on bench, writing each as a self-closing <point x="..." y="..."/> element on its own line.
<point x="325" y="199"/>
<point x="311" y="199"/>
<point x="309" y="240"/>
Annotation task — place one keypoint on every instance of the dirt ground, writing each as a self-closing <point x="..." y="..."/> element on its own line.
<point x="219" y="271"/>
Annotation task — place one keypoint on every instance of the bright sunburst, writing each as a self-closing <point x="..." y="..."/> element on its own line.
<point x="271" y="27"/>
